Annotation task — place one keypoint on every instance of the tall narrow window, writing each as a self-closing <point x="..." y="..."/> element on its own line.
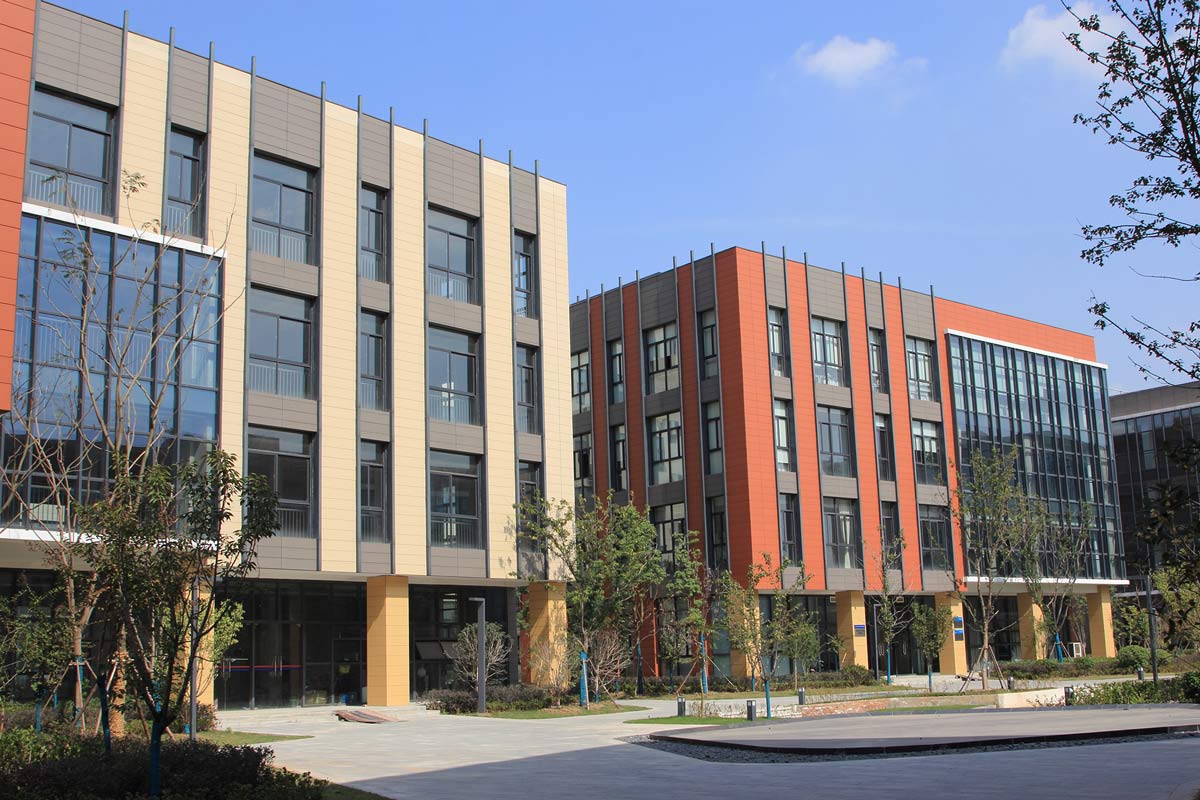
<point x="70" y="153"/>
<point x="581" y="382"/>
<point x="372" y="234"/>
<point x="936" y="552"/>
<point x="785" y="457"/>
<point x="619" y="459"/>
<point x="282" y="207"/>
<point x="454" y="500"/>
<point x="450" y="257"/>
<point x="525" y="279"/>
<point x="927" y="452"/>
<point x="529" y="489"/>
<point x="842" y="540"/>
<point x="828" y="343"/>
<point x="281" y="345"/>
<point x="662" y="358"/>
<point x="185" y="181"/>
<point x="835" y="442"/>
<point x="877" y="357"/>
<point x="889" y="528"/>
<point x="718" y="533"/>
<point x="922" y="369"/>
<point x="777" y="341"/>
<point x="373" y="492"/>
<point x="669" y="522"/>
<point x="789" y="528"/>
<point x="284" y="458"/>
<point x="372" y="361"/>
<point x="616" y="371"/>
<point x="714" y="454"/>
<point x="885" y="453"/>
<point x="529" y="391"/>
<point x="666" y="448"/>
<point x="708" y="344"/>
<point x="585" y="486"/>
<point x="453" y="379"/>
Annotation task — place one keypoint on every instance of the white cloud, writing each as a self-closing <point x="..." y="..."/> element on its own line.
<point x="847" y="63"/>
<point x="1040" y="39"/>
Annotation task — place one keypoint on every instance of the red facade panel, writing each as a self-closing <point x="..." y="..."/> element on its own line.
<point x="864" y="431"/>
<point x="906" y="482"/>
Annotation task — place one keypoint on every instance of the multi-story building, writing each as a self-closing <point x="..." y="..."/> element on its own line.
<point x="1150" y="428"/>
<point x="323" y="232"/>
<point x="780" y="408"/>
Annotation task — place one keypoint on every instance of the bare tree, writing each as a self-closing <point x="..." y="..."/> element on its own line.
<point x="464" y="654"/>
<point x="893" y="613"/>
<point x="1050" y="565"/>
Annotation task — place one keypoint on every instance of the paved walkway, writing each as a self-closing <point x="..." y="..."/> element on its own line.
<point x="584" y="758"/>
<point x="911" y="732"/>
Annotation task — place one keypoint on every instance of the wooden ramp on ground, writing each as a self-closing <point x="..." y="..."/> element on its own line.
<point x="361" y="715"/>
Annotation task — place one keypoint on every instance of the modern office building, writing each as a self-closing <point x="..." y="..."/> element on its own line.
<point x="780" y="408"/>
<point x="317" y="232"/>
<point x="1149" y="428"/>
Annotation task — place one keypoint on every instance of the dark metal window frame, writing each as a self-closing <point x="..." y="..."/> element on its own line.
<point x="581" y="381"/>
<point x="777" y="341"/>
<point x="877" y="359"/>
<point x="885" y="448"/>
<point x="373" y="331"/>
<point x="829" y="351"/>
<point x="449" y="477"/>
<point x="373" y="213"/>
<point x="785" y="452"/>
<point x="922" y="368"/>
<point x="374" y="512"/>
<point x="619" y="458"/>
<point x="616" y="370"/>
<point x="717" y="529"/>
<point x="525" y="277"/>
<point x="789" y="526"/>
<point x="442" y="398"/>
<point x="835" y="441"/>
<point x="309" y="456"/>
<point x="709" y="361"/>
<point x="937" y="546"/>
<point x="471" y="239"/>
<point x="311" y="212"/>
<point x="584" y="464"/>
<point x="666" y="447"/>
<point x="105" y="179"/>
<point x="843" y="539"/>
<point x="714" y="446"/>
<point x="528" y="390"/>
<point x="929" y="463"/>
<point x="308" y="322"/>
<point x="662" y="357"/>
<point x="190" y="209"/>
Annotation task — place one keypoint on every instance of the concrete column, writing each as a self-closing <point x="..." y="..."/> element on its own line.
<point x="1100" y="624"/>
<point x="852" y="627"/>
<point x="953" y="658"/>
<point x="546" y="613"/>
<point x="388" y="655"/>
<point x="1029" y="624"/>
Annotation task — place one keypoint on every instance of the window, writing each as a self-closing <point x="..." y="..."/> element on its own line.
<point x="372" y="361"/>
<point x="581" y="382"/>
<point x="709" y="366"/>
<point x="936" y="551"/>
<point x="835" y="441"/>
<point x="922" y="369"/>
<point x="784" y="456"/>
<point x="454" y="500"/>
<point x="828" y="355"/>
<point x="529" y="391"/>
<point x="529" y="489"/>
<point x="70" y="153"/>
<point x="284" y="458"/>
<point x="885" y="454"/>
<point x="184" y="212"/>
<point x="282" y="205"/>
<point x="714" y="459"/>
<point x="718" y="533"/>
<point x="666" y="448"/>
<point x="450" y="257"/>
<point x="453" y="381"/>
<point x="619" y="459"/>
<point x="585" y="487"/>
<point x="281" y="343"/>
<point x="877" y="357"/>
<point x="842" y="542"/>
<point x="373" y="493"/>
<point x="927" y="452"/>
<point x="669" y="522"/>
<point x="662" y="358"/>
<point x="524" y="276"/>
<point x="889" y="528"/>
<point x="789" y="528"/>
<point x="372" y="234"/>
<point x="616" y="371"/>
<point x="777" y="341"/>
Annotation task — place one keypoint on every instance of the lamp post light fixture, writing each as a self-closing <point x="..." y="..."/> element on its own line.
<point x="481" y="654"/>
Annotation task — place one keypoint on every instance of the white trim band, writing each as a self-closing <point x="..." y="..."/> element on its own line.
<point x="1016" y="346"/>
<point x="108" y="226"/>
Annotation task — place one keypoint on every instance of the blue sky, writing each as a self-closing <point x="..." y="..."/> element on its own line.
<point x="935" y="146"/>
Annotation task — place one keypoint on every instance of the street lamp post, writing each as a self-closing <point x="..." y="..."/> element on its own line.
<point x="481" y="654"/>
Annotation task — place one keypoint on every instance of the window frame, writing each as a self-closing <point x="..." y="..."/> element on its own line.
<point x="374" y="469"/>
<point x="619" y="458"/>
<point x="835" y="426"/>
<point x="716" y="521"/>
<point x="788" y="504"/>
<point x="528" y="376"/>
<point x="782" y="418"/>
<point x="525" y="297"/>
<point x="615" y="348"/>
<point x="190" y="209"/>
<point x="714" y="443"/>
<point x="373" y="261"/>
<point x="435" y="229"/>
<point x="778" y="346"/>
<point x="885" y="448"/>
<point x="877" y="359"/>
<point x="829" y="341"/>
<point x="308" y="456"/>
<point x="441" y="400"/>
<point x="840" y="515"/>
<point x="307" y="323"/>
<point x="921" y="358"/>
<point x="472" y="537"/>
<point x="307" y="234"/>
<point x="376" y="384"/>
<point x="661" y="350"/>
<point x="706" y="323"/>
<point x="665" y="447"/>
<point x="934" y="523"/>
<point x="581" y="381"/>
<point x="927" y="470"/>
<point x="582" y="451"/>
<point x="104" y="179"/>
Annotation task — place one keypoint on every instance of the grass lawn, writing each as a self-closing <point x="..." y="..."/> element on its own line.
<point x="242" y="737"/>
<point x="813" y="692"/>
<point x="686" y="721"/>
<point x="563" y="711"/>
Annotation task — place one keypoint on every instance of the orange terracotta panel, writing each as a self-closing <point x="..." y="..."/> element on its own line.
<point x="864" y="430"/>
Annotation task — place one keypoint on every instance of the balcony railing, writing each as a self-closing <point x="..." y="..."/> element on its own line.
<point x="451" y="407"/>
<point x="373" y="525"/>
<point x="48" y="186"/>
<point x="270" y="377"/>
<point x="294" y="522"/>
<point x="455" y="532"/>
<point x="371" y="266"/>
<point x="271" y="241"/>
<point x="181" y="218"/>
<point x="451" y="285"/>
<point x="370" y="394"/>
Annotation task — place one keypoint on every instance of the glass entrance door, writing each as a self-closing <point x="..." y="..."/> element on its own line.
<point x="278" y="667"/>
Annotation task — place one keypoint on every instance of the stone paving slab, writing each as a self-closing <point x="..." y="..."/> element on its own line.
<point x="866" y="734"/>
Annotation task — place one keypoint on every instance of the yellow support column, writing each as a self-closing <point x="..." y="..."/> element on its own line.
<point x="1100" y="624"/>
<point x="547" y="615"/>
<point x="1029" y="625"/>
<point x="852" y="627"/>
<point x="387" y="641"/>
<point x="953" y="658"/>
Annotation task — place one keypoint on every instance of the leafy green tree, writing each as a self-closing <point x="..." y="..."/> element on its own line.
<point x="931" y="630"/>
<point x="893" y="613"/>
<point x="161" y="542"/>
<point x="35" y="640"/>
<point x="799" y="640"/>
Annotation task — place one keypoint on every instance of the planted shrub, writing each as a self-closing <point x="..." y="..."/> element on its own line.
<point x="206" y="719"/>
<point x="522" y="697"/>
<point x="1049" y="668"/>
<point x="450" y="701"/>
<point x="1132" y="656"/>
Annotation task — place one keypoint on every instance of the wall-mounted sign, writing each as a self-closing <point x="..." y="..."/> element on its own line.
<point x="860" y="630"/>
<point x="958" y="634"/>
<point x="958" y="622"/>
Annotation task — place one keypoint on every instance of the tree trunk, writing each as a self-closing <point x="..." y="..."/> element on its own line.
<point x="77" y="653"/>
<point x="116" y="695"/>
<point x="986" y="651"/>
<point x="156" y="734"/>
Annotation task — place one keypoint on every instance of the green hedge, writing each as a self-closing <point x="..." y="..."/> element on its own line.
<point x="1184" y="689"/>
<point x="1049" y="668"/>
<point x="521" y="697"/>
<point x="850" y="677"/>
